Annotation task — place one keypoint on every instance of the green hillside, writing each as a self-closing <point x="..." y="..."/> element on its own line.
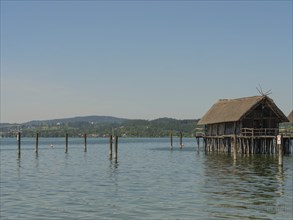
<point x="101" y="126"/>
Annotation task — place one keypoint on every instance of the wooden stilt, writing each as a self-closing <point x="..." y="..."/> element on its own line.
<point x="181" y="144"/>
<point x="18" y="137"/>
<point x="110" y="146"/>
<point x="116" y="148"/>
<point x="280" y="149"/>
<point x="85" y="143"/>
<point x="37" y="143"/>
<point x="235" y="148"/>
<point x="66" y="143"/>
<point x="171" y="140"/>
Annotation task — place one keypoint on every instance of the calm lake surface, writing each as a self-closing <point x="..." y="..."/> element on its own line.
<point x="149" y="181"/>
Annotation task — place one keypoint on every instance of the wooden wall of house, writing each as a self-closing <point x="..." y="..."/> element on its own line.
<point x="229" y="128"/>
<point x="209" y="130"/>
<point x="220" y="129"/>
<point x="232" y="128"/>
<point x="261" y="117"/>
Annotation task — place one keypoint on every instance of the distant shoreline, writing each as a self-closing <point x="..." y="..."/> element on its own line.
<point x="102" y="126"/>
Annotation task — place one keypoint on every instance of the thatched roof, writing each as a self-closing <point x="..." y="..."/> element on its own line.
<point x="290" y="116"/>
<point x="232" y="110"/>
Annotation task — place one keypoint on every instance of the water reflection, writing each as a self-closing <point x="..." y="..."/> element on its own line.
<point x="113" y="176"/>
<point x="18" y="167"/>
<point x="37" y="160"/>
<point x="18" y="162"/>
<point x="280" y="180"/>
<point x="113" y="165"/>
<point x="252" y="182"/>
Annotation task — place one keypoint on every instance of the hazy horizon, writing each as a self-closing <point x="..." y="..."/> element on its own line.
<point x="71" y="117"/>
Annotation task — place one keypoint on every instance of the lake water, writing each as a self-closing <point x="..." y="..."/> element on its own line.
<point x="149" y="181"/>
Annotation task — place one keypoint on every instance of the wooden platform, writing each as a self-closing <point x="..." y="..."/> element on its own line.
<point x="249" y="141"/>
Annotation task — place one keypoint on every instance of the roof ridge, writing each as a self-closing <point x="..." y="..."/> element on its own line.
<point x="236" y="99"/>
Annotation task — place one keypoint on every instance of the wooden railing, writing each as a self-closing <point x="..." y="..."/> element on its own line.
<point x="259" y="131"/>
<point x="199" y="132"/>
<point x="286" y="132"/>
<point x="250" y="132"/>
<point x="266" y="132"/>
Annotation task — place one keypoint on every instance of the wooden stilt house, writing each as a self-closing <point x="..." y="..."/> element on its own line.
<point x="251" y="122"/>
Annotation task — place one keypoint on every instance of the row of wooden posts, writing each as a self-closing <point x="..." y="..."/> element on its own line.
<point x="85" y="143"/>
<point x="279" y="145"/>
<point x="66" y="145"/>
<point x="247" y="145"/>
<point x="180" y="138"/>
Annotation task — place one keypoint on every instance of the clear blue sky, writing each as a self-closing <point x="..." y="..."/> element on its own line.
<point x="141" y="59"/>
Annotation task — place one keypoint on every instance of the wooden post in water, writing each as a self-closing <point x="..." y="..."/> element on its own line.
<point x="290" y="150"/>
<point x="116" y="148"/>
<point x="280" y="149"/>
<point x="197" y="140"/>
<point x="171" y="139"/>
<point x="85" y="143"/>
<point x="18" y="138"/>
<point x="181" y="145"/>
<point x="252" y="142"/>
<point x="37" y="143"/>
<point x="110" y="146"/>
<point x="66" y="143"/>
<point x="235" y="148"/>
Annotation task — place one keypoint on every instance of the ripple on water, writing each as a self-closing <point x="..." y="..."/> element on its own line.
<point x="149" y="181"/>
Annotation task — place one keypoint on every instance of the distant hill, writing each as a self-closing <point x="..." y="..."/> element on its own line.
<point x="101" y="126"/>
<point x="90" y="119"/>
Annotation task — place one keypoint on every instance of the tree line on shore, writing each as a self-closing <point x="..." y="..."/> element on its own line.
<point x="161" y="127"/>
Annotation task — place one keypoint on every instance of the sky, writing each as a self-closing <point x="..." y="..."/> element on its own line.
<point x="141" y="59"/>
